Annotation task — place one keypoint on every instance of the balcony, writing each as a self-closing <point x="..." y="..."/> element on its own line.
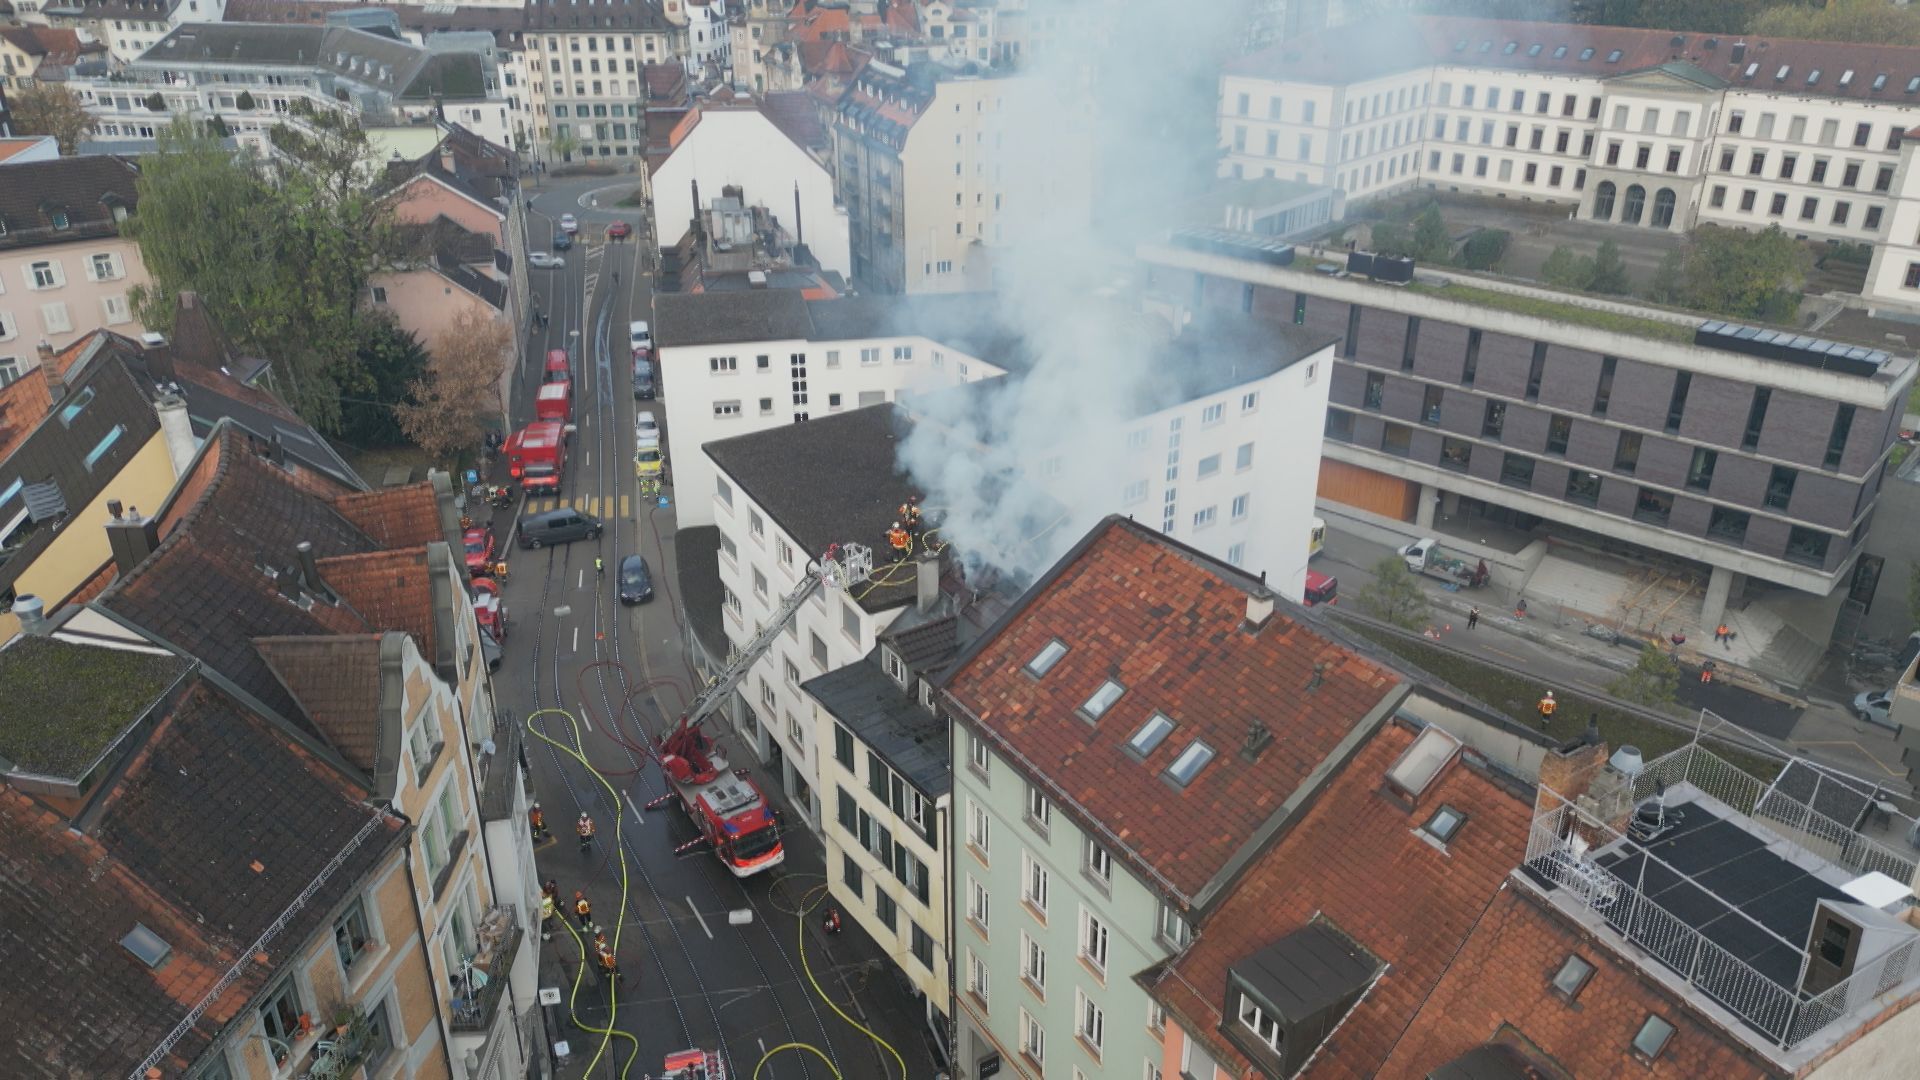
<point x="488" y="971"/>
<point x="498" y="777"/>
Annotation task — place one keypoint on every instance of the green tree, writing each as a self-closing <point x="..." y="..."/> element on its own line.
<point x="1669" y="285"/>
<point x="1867" y="22"/>
<point x="389" y="360"/>
<point x="1394" y="595"/>
<point x="52" y="109"/>
<point x="1431" y="243"/>
<point x="1609" y="272"/>
<point x="563" y="145"/>
<point x="280" y="254"/>
<point x="1390" y="238"/>
<point x="1563" y="269"/>
<point x="156" y="103"/>
<point x="1484" y="249"/>
<point x="244" y="102"/>
<point x="1653" y="681"/>
<point x="1743" y="274"/>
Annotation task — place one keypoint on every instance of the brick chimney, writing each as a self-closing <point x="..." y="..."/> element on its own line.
<point x="56" y="381"/>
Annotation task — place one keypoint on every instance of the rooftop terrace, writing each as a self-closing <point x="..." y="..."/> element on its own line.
<point x="1729" y="891"/>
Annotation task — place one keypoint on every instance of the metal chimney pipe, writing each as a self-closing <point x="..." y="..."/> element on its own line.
<point x="310" y="572"/>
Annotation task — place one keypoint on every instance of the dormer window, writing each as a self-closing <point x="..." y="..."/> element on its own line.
<point x="60" y="220"/>
<point x="1288" y="997"/>
<point x="896" y="668"/>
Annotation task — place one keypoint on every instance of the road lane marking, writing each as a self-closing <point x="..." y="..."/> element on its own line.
<point x="702" y="921"/>
<point x="631" y="805"/>
<point x="576" y="639"/>
<point x="588" y="460"/>
<point x="623" y="506"/>
<point x="581" y="582"/>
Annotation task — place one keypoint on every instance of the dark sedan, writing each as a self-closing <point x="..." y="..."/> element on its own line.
<point x="636" y="581"/>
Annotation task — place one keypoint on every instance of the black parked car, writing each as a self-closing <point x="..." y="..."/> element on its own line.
<point x="636" y="581"/>
<point x="562" y="242"/>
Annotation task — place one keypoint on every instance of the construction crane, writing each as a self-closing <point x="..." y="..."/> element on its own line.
<point x="732" y="815"/>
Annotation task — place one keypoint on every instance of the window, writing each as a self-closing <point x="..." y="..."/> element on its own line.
<point x="1572" y="977"/>
<point x="1188" y="765"/>
<point x="1208" y="466"/>
<point x="1559" y="432"/>
<point x="1035" y="883"/>
<point x="1655" y="1032"/>
<point x="1093" y="940"/>
<point x="721" y="364"/>
<point x="1780" y="487"/>
<point x="1583" y="487"/>
<point x="851" y="876"/>
<point x="1700" y="471"/>
<point x="1430" y="406"/>
<point x="1204" y="518"/>
<point x="1472" y="363"/>
<point x="103" y="267"/>
<point x="1090" y="1023"/>
<point x="44" y="275"/>
<point x="1239" y="507"/>
<point x="105" y="444"/>
<point x="1653" y="507"/>
<point x="1727" y="525"/>
<point x="1033" y="1039"/>
<point x="1249" y="402"/>
<point x="1516" y="470"/>
<point x="922" y="946"/>
<point x="724" y="409"/>
<point x="1455" y="454"/>
<point x="979" y="904"/>
<point x="1151" y="735"/>
<point x="1039" y="810"/>
<point x="870" y="356"/>
<point x="1099" y="863"/>
<point x="1043" y="661"/>
<point x="1033" y="963"/>
<point x="280" y="1016"/>
<point x="1862" y="133"/>
<point x="1101" y="699"/>
<point x="1212" y="414"/>
<point x="1173" y="927"/>
<point x="885" y="908"/>
<point x="1747" y="196"/>
<point x="843" y="747"/>
<point x="1444" y="823"/>
<point x="1677" y="404"/>
<point x="980" y="830"/>
<point x="351" y="934"/>
<point x="1264" y="1027"/>
<point x="1807" y="546"/>
<point x="1243" y="457"/>
<point x="1837" y="438"/>
<point x="978" y="751"/>
<point x="976" y="975"/>
<point x="1495" y="420"/>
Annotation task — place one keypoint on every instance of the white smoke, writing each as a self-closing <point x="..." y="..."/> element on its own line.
<point x="1135" y="85"/>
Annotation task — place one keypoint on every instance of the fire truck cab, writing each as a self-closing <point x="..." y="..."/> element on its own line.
<point x="537" y="455"/>
<point x="554" y="402"/>
<point x="694" y="1065"/>
<point x="558" y="368"/>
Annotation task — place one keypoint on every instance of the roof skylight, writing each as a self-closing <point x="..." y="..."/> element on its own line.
<point x="1422" y="761"/>
<point x="1560" y="53"/>
<point x="1102" y="699"/>
<point x="1614" y="57"/>
<point x="1781" y="75"/>
<point x="1879" y="83"/>
<point x="1534" y="50"/>
<point x="1913" y="84"/>
<point x="1586" y="53"/>
<point x="1044" y="660"/>
<point x="1846" y="78"/>
<point x="1512" y="47"/>
<point x="1151" y="735"/>
<point x="1444" y="823"/>
<point x="1813" y="76"/>
<point x="1189" y="763"/>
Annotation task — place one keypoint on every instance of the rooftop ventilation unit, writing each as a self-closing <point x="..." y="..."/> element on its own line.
<point x="1784" y="345"/>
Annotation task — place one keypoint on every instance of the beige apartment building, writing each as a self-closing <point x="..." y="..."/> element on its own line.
<point x="66" y="267"/>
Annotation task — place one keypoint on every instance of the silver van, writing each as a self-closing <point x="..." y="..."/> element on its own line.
<point x="558" y="527"/>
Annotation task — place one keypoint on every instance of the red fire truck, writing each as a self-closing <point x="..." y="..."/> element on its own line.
<point x="537" y="455"/>
<point x="558" y="368"/>
<point x="554" y="402"/>
<point x="733" y="817"/>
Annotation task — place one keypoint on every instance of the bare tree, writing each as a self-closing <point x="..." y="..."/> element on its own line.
<point x="449" y="408"/>
<point x="52" y="110"/>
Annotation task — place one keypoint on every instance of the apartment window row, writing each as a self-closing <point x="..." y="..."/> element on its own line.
<point x="877" y="840"/>
<point x="1819" y="171"/>
<point x="1839" y="213"/>
<point x="1861" y="134"/>
<point x="1516" y="101"/>
<point x="1502" y="169"/>
<point x="1535" y="137"/>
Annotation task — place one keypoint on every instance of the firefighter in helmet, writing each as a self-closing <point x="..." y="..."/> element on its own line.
<point x="582" y="909"/>
<point x="1547" y="706"/>
<point x="537" y="821"/>
<point x="548" y="912"/>
<point x="585" y="828"/>
<point x="899" y="540"/>
<point x="609" y="963"/>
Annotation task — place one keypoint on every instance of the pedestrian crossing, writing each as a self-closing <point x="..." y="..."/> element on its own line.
<point x="591" y="504"/>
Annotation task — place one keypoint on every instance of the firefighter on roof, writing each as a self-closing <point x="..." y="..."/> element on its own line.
<point x="583" y="909"/>
<point x="1546" y="706"/>
<point x="898" y="540"/>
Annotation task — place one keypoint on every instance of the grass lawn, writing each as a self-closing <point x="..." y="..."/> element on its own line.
<point x="1560" y="312"/>
<point x="372" y="465"/>
<point x="1514" y="697"/>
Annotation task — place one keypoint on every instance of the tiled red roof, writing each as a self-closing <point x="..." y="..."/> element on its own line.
<point x="57" y="46"/>
<point x="1500" y="986"/>
<point x="405" y="516"/>
<point x="1367" y="50"/>
<point x="392" y="589"/>
<point x="1356" y="861"/>
<point x="218" y="824"/>
<point x="337" y="681"/>
<point x="1167" y="624"/>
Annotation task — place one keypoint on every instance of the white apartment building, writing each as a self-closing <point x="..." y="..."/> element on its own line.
<point x="65" y="266"/>
<point x="255" y="76"/>
<point x="1227" y="461"/>
<point x="735" y="363"/>
<point x="747" y="144"/>
<point x="585" y="77"/>
<point x="127" y="27"/>
<point x="1646" y="128"/>
<point x="935" y="171"/>
<point x="709" y="39"/>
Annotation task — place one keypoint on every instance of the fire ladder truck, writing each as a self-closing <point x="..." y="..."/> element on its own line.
<point x="732" y="815"/>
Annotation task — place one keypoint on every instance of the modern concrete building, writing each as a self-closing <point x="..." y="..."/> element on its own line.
<point x="65" y="267"/>
<point x="1116" y="769"/>
<point x="930" y="181"/>
<point x="1751" y="466"/>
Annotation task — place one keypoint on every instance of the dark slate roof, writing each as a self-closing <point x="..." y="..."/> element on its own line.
<point x="202" y="591"/>
<point x="219" y="822"/>
<point x="724" y="318"/>
<point x="927" y="646"/>
<point x="87" y="189"/>
<point x="337" y="681"/>
<point x="862" y="443"/>
<point x="885" y="717"/>
<point x="624" y="15"/>
<point x="504" y="23"/>
<point x="1490" y="1061"/>
<point x="696" y="560"/>
<point x="1308" y="971"/>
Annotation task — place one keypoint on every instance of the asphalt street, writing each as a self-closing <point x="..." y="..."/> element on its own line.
<point x="707" y="960"/>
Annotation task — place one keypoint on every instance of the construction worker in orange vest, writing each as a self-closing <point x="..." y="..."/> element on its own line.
<point x="585" y="828"/>
<point x="1546" y="706"/>
<point x="537" y="820"/>
<point x="583" y="909"/>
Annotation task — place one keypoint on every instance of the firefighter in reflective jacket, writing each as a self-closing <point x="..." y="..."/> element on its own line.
<point x="609" y="963"/>
<point x="583" y="909"/>
<point x="898" y="539"/>
<point x="1546" y="707"/>
<point x="549" y="910"/>
<point x="537" y="821"/>
<point x="585" y="829"/>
